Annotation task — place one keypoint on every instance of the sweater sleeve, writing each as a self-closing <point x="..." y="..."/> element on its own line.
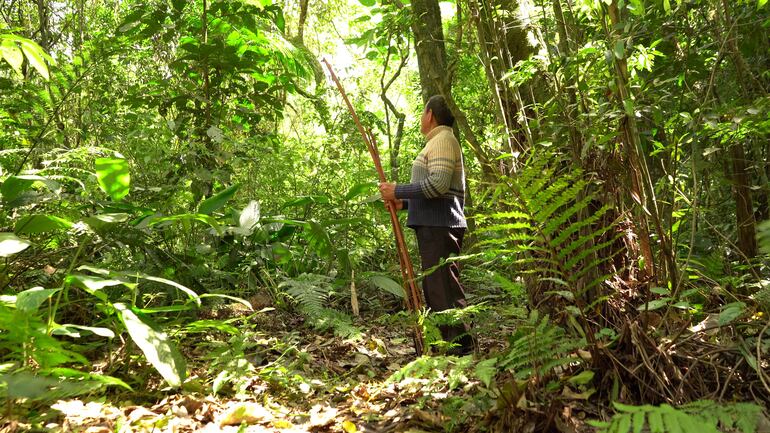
<point x="440" y="158"/>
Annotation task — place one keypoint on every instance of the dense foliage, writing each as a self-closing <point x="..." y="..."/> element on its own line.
<point x="171" y="172"/>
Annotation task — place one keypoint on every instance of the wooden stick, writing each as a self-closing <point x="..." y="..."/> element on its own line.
<point x="412" y="295"/>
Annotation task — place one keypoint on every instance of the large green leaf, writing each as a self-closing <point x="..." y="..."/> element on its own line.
<point x="14" y="186"/>
<point x="215" y="202"/>
<point x="10" y="244"/>
<point x="73" y="331"/>
<point x="27" y="385"/>
<point x="40" y="224"/>
<point x="156" y="346"/>
<point x="94" y="285"/>
<point x="248" y="219"/>
<point x="30" y="300"/>
<point x="318" y="238"/>
<point x="388" y="285"/>
<point x="12" y="54"/>
<point x="358" y="189"/>
<point x="35" y="56"/>
<point x="731" y="312"/>
<point x="113" y="176"/>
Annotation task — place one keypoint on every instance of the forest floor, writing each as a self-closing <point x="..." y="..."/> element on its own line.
<point x="289" y="378"/>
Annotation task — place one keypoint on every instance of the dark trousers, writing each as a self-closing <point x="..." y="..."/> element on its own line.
<point x="442" y="286"/>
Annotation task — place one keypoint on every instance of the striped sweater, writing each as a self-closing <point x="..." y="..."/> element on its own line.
<point x="436" y="195"/>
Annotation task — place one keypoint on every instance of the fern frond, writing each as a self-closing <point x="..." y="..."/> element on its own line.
<point x="555" y="223"/>
<point x="565" y="251"/>
<point x="547" y="210"/>
<point x="550" y="227"/>
<point x="538" y="348"/>
<point x="574" y="228"/>
<point x="309" y="291"/>
<point x="586" y="252"/>
<point x="698" y="417"/>
<point x="509" y="226"/>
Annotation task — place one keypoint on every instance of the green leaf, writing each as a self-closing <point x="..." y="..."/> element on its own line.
<point x="654" y="305"/>
<point x="215" y="202"/>
<point x="655" y="421"/>
<point x="30" y="300"/>
<point x="113" y="176"/>
<point x="672" y="421"/>
<point x="12" y="54"/>
<point x="103" y="220"/>
<point x="68" y="330"/>
<point x="242" y="301"/>
<point x="193" y="296"/>
<point x="248" y="219"/>
<point x="41" y="224"/>
<point x="761" y="4"/>
<point x="27" y="385"/>
<point x="624" y="424"/>
<point x="667" y="6"/>
<point x="387" y="284"/>
<point x="35" y="55"/>
<point x="731" y="312"/>
<point x="619" y="49"/>
<point x="10" y="244"/>
<point x="486" y="371"/>
<point x="358" y="189"/>
<point x="14" y="186"/>
<point x="583" y="378"/>
<point x="638" y="421"/>
<point x="102" y="379"/>
<point x="94" y="285"/>
<point x="318" y="238"/>
<point x="156" y="346"/>
<point x="368" y="3"/>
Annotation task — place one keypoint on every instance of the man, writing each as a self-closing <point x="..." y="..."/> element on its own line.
<point x="435" y="198"/>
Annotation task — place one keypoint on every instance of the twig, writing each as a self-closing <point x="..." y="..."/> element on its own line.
<point x="759" y="356"/>
<point x="412" y="296"/>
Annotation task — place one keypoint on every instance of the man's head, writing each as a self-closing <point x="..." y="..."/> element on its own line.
<point x="436" y="114"/>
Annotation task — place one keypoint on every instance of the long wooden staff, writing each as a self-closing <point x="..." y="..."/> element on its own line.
<point x="413" y="302"/>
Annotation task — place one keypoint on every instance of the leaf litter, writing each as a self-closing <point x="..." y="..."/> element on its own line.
<point x="297" y="381"/>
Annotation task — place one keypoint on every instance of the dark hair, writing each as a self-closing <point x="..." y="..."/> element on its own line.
<point x="437" y="105"/>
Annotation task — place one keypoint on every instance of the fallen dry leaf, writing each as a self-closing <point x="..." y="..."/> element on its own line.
<point x="98" y="429"/>
<point x="321" y="416"/>
<point x="248" y="412"/>
<point x="349" y="427"/>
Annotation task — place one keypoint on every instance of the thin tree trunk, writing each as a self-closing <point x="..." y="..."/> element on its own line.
<point x="744" y="210"/>
<point x="642" y="183"/>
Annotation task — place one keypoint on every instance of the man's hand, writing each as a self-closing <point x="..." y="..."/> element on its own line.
<point x="388" y="191"/>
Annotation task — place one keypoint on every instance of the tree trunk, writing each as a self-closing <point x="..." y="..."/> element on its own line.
<point x="744" y="210"/>
<point x="431" y="52"/>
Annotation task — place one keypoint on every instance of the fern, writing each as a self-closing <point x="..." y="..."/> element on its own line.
<point x="538" y="347"/>
<point x="550" y="229"/>
<point x="699" y="417"/>
<point x="435" y="369"/>
<point x="311" y="292"/>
